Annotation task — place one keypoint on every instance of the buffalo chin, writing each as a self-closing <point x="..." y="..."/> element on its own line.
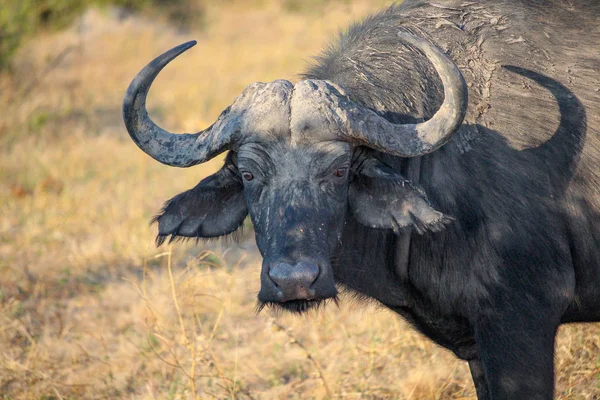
<point x="298" y="306"/>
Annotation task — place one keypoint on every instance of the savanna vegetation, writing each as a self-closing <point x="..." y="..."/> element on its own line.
<point x="89" y="308"/>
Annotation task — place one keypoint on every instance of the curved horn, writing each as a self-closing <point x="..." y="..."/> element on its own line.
<point x="410" y="140"/>
<point x="177" y="150"/>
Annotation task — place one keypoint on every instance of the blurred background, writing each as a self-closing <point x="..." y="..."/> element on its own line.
<point x="89" y="307"/>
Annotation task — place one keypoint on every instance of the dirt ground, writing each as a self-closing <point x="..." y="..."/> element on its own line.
<point x="91" y="309"/>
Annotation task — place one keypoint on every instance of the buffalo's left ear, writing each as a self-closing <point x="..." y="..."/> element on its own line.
<point x="215" y="207"/>
<point x="379" y="197"/>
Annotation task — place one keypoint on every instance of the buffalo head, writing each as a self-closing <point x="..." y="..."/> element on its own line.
<point x="299" y="162"/>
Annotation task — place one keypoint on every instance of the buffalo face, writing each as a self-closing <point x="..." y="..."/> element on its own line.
<point x="300" y="161"/>
<point x="297" y="199"/>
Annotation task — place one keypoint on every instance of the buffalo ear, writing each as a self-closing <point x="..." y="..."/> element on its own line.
<point x="379" y="197"/>
<point x="215" y="207"/>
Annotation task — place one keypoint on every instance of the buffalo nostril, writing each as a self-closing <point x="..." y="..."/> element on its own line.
<point x="295" y="280"/>
<point x="301" y="273"/>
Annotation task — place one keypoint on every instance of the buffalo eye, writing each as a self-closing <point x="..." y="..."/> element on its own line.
<point x="340" y="172"/>
<point x="247" y="175"/>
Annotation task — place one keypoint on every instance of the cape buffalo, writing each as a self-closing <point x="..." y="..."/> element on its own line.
<point x="439" y="158"/>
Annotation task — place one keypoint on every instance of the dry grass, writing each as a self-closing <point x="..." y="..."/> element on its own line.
<point x="89" y="309"/>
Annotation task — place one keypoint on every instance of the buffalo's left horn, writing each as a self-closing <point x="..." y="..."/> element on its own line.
<point x="410" y="140"/>
<point x="177" y="150"/>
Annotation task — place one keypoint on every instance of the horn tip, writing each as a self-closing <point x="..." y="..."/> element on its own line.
<point x="185" y="46"/>
<point x="175" y="51"/>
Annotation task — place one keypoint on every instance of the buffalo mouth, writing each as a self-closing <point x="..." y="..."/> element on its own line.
<point x="297" y="306"/>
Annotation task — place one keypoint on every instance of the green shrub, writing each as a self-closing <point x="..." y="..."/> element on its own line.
<point x="20" y="19"/>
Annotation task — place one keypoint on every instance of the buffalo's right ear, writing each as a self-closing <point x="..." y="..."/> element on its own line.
<point x="215" y="207"/>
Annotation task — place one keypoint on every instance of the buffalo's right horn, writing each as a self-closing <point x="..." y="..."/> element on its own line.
<point x="177" y="150"/>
